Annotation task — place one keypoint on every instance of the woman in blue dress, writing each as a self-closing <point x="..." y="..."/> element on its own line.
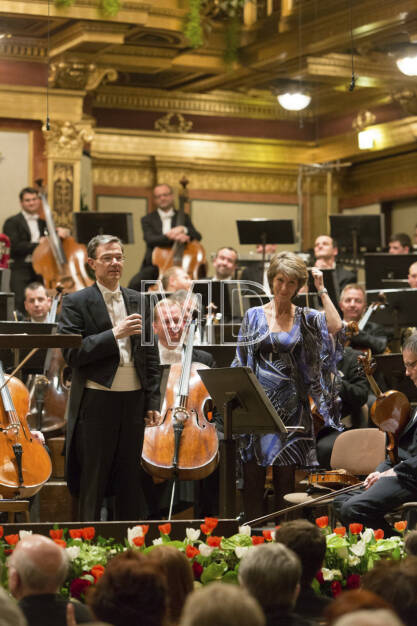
<point x="293" y="352"/>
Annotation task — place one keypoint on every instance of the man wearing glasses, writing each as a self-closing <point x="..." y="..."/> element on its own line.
<point x="391" y="484"/>
<point x="114" y="389"/>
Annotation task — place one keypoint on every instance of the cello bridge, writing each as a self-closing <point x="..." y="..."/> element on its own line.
<point x="180" y="414"/>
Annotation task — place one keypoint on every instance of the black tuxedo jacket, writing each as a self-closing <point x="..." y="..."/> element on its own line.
<point x="85" y="313"/>
<point x="17" y="229"/>
<point x="152" y="233"/>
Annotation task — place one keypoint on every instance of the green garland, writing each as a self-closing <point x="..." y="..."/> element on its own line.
<point x="107" y="8"/>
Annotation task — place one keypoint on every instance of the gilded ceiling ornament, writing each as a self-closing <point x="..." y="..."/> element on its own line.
<point x="407" y="98"/>
<point x="363" y="119"/>
<point x="66" y="140"/>
<point x="77" y="75"/>
<point x="173" y="123"/>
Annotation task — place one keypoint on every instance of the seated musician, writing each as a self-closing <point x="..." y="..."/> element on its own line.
<point x="175" y="278"/>
<point x="391" y="484"/>
<point x="325" y="253"/>
<point x="353" y="305"/>
<point x="37" y="302"/>
<point x="160" y="229"/>
<point x="400" y="243"/>
<point x="225" y="263"/>
<point x="412" y="275"/>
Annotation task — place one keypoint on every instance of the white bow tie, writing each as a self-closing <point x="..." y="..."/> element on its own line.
<point x="110" y="296"/>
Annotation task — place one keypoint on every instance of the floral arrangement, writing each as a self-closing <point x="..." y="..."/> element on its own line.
<point x="350" y="552"/>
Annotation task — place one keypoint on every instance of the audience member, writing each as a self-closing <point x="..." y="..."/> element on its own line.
<point x="131" y="592"/>
<point x="309" y="544"/>
<point x="37" y="569"/>
<point x="380" y="617"/>
<point x="353" y="600"/>
<point x="400" y="243"/>
<point x="10" y="614"/>
<point x="412" y="275"/>
<point x="37" y="302"/>
<point x="221" y="605"/>
<point x="353" y="305"/>
<point x="271" y="573"/>
<point x="179" y="575"/>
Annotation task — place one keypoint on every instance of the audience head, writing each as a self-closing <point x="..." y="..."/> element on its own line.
<point x="325" y="250"/>
<point x="400" y="243"/>
<point x="168" y="323"/>
<point x="179" y="576"/>
<point x="308" y="543"/>
<point x="10" y="614"/>
<point x="163" y="196"/>
<point x="132" y="591"/>
<point x="37" y="302"/>
<point x="225" y="263"/>
<point x="29" y="200"/>
<point x="221" y="605"/>
<point x="379" y="617"/>
<point x="290" y="265"/>
<point x="352" y="302"/>
<point x="175" y="278"/>
<point x="354" y="600"/>
<point x="36" y="566"/>
<point x="412" y="275"/>
<point x="411" y="543"/>
<point x="271" y="573"/>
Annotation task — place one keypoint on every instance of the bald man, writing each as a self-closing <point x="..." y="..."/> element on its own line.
<point x="38" y="568"/>
<point x="412" y="275"/>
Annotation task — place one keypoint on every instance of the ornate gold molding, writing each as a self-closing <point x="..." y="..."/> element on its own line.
<point x="173" y="123"/>
<point x="65" y="140"/>
<point x="24" y="102"/>
<point x="73" y="74"/>
<point x="63" y="193"/>
<point x="27" y="49"/>
<point x="407" y="98"/>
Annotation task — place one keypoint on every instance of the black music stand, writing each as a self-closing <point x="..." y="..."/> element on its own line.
<point x="88" y="224"/>
<point x="392" y="368"/>
<point x="247" y="409"/>
<point x="26" y="342"/>
<point x="400" y="309"/>
<point x="358" y="233"/>
<point x="311" y="298"/>
<point x="11" y="358"/>
<point x="383" y="268"/>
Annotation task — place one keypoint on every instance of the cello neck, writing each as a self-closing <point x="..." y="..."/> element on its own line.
<point x="54" y="240"/>
<point x="5" y="394"/>
<point x="186" y="367"/>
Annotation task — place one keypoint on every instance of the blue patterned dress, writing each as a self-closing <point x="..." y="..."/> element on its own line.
<point x="290" y="367"/>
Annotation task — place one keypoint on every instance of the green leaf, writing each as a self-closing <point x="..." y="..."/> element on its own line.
<point x="235" y="540"/>
<point x="214" y="571"/>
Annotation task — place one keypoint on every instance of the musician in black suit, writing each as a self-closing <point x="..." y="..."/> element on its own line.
<point x="115" y="384"/>
<point x="160" y="229"/>
<point x="25" y="231"/>
<point x="325" y="252"/>
<point x="353" y="306"/>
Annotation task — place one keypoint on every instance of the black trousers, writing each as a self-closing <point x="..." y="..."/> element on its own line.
<point x="369" y="506"/>
<point x="108" y="440"/>
<point x="253" y="492"/>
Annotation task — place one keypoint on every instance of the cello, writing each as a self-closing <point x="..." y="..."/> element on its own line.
<point x="190" y="256"/>
<point x="24" y="463"/>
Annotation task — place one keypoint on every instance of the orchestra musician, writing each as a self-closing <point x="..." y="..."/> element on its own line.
<point x="390" y="485"/>
<point x="225" y="263"/>
<point x="325" y="253"/>
<point x="353" y="305"/>
<point x="175" y="278"/>
<point x="412" y="275"/>
<point x="115" y="385"/>
<point x="160" y="229"/>
<point x="37" y="303"/>
<point x="293" y="353"/>
<point x="400" y="243"/>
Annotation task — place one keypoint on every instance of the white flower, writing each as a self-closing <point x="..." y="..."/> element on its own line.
<point x="157" y="542"/>
<point x="367" y="535"/>
<point x="245" y="530"/>
<point x="359" y="548"/>
<point x="73" y="552"/>
<point x="134" y="532"/>
<point x="24" y="533"/>
<point x="192" y="533"/>
<point x="205" y="550"/>
<point x="331" y="574"/>
<point x="240" y="551"/>
<point x="273" y="535"/>
<point x="353" y="560"/>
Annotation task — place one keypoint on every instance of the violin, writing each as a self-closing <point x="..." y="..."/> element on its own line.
<point x="333" y="478"/>
<point x="390" y="411"/>
<point x="24" y="463"/>
<point x="185" y="444"/>
<point x="190" y="256"/>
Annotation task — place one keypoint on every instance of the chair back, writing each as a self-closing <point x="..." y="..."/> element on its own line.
<point x="358" y="451"/>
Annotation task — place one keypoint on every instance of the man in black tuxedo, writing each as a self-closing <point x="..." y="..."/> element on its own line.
<point x="160" y="229"/>
<point x="115" y="384"/>
<point x="25" y="231"/>
<point x="353" y="306"/>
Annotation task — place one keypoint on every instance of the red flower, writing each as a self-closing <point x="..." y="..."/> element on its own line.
<point x="267" y="535"/>
<point x="340" y="530"/>
<point x="1" y="531"/>
<point x="211" y="522"/>
<point x="11" y="539"/>
<point x="205" y="529"/>
<point x="320" y="577"/>
<point x="378" y="534"/>
<point x="191" y="551"/>
<point x="353" y="581"/>
<point x="277" y="527"/>
<point x="145" y="528"/>
<point x="88" y="532"/>
<point x="56" y="533"/>
<point x="138" y="541"/>
<point x="78" y="587"/>
<point x="336" y="588"/>
<point x="97" y="571"/>
<point x="197" y="570"/>
<point x="165" y="529"/>
<point x="214" y="541"/>
<point x="355" y="529"/>
<point x="322" y="522"/>
<point x="256" y="540"/>
<point x="76" y="533"/>
<point x="60" y="542"/>
<point x="400" y="526"/>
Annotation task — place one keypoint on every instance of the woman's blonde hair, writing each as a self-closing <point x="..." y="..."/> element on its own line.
<point x="289" y="264"/>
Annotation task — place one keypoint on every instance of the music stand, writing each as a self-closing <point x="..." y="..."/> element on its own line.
<point x="358" y="233"/>
<point x="247" y="409"/>
<point x="381" y="269"/>
<point x="400" y="310"/>
<point x="311" y="298"/>
<point x="392" y="368"/>
<point x="88" y="224"/>
<point x="10" y="358"/>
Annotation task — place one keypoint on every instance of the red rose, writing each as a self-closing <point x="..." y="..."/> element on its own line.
<point x="206" y="530"/>
<point x="197" y="570"/>
<point x="191" y="552"/>
<point x="400" y="526"/>
<point x="78" y="587"/>
<point x="378" y="534"/>
<point x="340" y="530"/>
<point x="355" y="529"/>
<point x="1" y="531"/>
<point x="336" y="588"/>
<point x="165" y="529"/>
<point x="256" y="540"/>
<point x="97" y="571"/>
<point x="353" y="581"/>
<point x="138" y="541"/>
<point x="319" y="577"/>
<point x="214" y="541"/>
<point x="267" y="535"/>
<point x="211" y="522"/>
<point x="61" y="543"/>
<point x="322" y="522"/>
<point x="76" y="533"/>
<point x="56" y="533"/>
<point x="11" y="539"/>
<point x="88" y="532"/>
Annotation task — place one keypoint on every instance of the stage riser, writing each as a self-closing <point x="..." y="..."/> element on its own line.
<point x="55" y="502"/>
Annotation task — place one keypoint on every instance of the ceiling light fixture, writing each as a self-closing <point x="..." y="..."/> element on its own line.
<point x="294" y="101"/>
<point x="408" y="64"/>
